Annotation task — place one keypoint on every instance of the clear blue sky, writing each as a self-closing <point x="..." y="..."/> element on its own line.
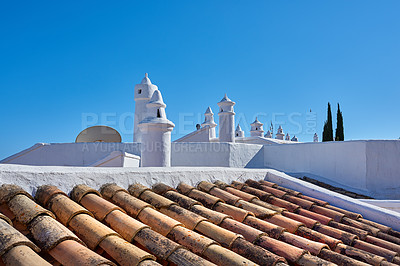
<point x="64" y="60"/>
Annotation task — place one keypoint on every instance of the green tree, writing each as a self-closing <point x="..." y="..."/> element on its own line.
<point x="327" y="134"/>
<point x="339" y="135"/>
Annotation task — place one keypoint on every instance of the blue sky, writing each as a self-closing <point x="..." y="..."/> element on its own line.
<point x="62" y="62"/>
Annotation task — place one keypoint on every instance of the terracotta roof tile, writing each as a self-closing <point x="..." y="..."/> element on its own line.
<point x="287" y="223"/>
<point x="49" y="234"/>
<point x="45" y="193"/>
<point x="5" y="218"/>
<point x="214" y="217"/>
<point x="25" y="209"/>
<point x="312" y="246"/>
<point x="126" y="226"/>
<point x="259" y="221"/>
<point x="254" y="234"/>
<point x="198" y="243"/>
<point x="284" y="204"/>
<point x="257" y="210"/>
<point x="289" y="252"/>
<point x="303" y="203"/>
<point x="317" y="237"/>
<point x="267" y="183"/>
<point x="327" y="215"/>
<point x="156" y="200"/>
<point x="364" y="256"/>
<point x="351" y="215"/>
<point x="387" y="254"/>
<point x="158" y="220"/>
<point x="346" y="237"/>
<point x="23" y="255"/>
<point x="256" y="253"/>
<point x="79" y="191"/>
<point x="243" y="195"/>
<point x="206" y="199"/>
<point x="337" y="216"/>
<point x="71" y="252"/>
<point x="389" y="238"/>
<point x="182" y="200"/>
<point x="233" y="241"/>
<point x="137" y="189"/>
<point x="99" y="208"/>
<point x="274" y="191"/>
<point x="358" y="232"/>
<point x="9" y="191"/>
<point x="316" y="216"/>
<point x="208" y="246"/>
<point x="289" y="191"/>
<point x="233" y="211"/>
<point x="320" y="238"/>
<point x="310" y="223"/>
<point x="353" y="223"/>
<point x="133" y="230"/>
<point x="189" y="219"/>
<point x="272" y="230"/>
<point x="219" y="255"/>
<point x="342" y="258"/>
<point x="257" y="192"/>
<point x="94" y="233"/>
<point x="182" y="188"/>
<point x="10" y="238"/>
<point x="382" y="243"/>
<point x="65" y="208"/>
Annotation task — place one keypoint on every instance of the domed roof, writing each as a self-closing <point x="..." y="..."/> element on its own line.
<point x="98" y="134"/>
<point x="238" y="128"/>
<point x="146" y="79"/>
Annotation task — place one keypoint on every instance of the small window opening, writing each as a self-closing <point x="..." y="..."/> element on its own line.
<point x="139" y="91"/>
<point x="158" y="113"/>
<point x="220" y="109"/>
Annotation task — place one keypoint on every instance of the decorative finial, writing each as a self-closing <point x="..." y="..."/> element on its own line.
<point x="146" y="75"/>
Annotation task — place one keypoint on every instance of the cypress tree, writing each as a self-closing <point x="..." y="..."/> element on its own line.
<point x="339" y="126"/>
<point x="327" y="134"/>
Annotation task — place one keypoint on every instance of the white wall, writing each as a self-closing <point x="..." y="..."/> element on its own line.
<point x="383" y="168"/>
<point x="368" y="167"/>
<point x="69" y="154"/>
<point x="217" y="154"/>
<point x="118" y="159"/>
<point x="201" y="135"/>
<point x="393" y="205"/>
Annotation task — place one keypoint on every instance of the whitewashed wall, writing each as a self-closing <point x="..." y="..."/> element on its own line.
<point x="69" y="154"/>
<point x="217" y="154"/>
<point x="371" y="167"/>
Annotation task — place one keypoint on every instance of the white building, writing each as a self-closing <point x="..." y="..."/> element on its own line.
<point x="372" y="165"/>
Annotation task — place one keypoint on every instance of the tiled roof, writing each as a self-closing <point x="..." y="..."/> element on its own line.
<point x="256" y="222"/>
